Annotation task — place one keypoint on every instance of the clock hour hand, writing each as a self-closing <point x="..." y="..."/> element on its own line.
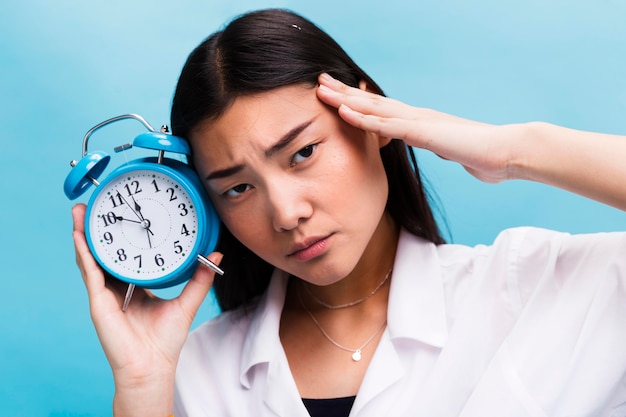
<point x="137" y="207"/>
<point x="126" y="220"/>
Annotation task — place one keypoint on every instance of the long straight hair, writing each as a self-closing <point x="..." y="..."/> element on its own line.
<point x="260" y="51"/>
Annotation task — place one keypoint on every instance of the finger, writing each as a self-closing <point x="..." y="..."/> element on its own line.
<point x="397" y="128"/>
<point x="78" y="215"/>
<point x="336" y="93"/>
<point x="198" y="286"/>
<point x="90" y="270"/>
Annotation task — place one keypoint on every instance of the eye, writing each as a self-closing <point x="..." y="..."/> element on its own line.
<point x="303" y="154"/>
<point x="237" y="190"/>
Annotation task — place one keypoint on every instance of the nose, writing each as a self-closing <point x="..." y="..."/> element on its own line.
<point x="289" y="203"/>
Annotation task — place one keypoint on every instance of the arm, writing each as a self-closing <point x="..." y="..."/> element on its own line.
<point x="586" y="163"/>
<point x="143" y="343"/>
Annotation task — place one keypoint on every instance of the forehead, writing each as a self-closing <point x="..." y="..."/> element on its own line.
<point x="263" y="116"/>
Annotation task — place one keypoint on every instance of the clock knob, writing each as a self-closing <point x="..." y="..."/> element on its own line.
<point x="84" y="173"/>
<point x="162" y="142"/>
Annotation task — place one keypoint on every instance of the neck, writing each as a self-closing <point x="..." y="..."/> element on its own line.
<point x="370" y="271"/>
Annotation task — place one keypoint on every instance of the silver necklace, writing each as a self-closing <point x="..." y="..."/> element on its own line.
<point x="356" y="353"/>
<point x="352" y="303"/>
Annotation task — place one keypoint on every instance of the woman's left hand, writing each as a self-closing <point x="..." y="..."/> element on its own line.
<point x="484" y="150"/>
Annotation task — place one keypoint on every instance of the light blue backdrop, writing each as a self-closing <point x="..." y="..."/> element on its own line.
<point x="67" y="65"/>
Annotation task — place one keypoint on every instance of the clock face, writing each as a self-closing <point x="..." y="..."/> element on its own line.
<point x="143" y="225"/>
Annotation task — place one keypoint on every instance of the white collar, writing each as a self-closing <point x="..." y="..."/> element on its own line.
<point x="416" y="305"/>
<point x="416" y="299"/>
<point x="262" y="341"/>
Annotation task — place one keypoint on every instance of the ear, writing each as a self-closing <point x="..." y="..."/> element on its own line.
<point x="382" y="140"/>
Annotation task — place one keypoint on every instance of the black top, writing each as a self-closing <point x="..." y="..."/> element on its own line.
<point x="329" y="407"/>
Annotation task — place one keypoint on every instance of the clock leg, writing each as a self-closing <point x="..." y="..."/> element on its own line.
<point x="210" y="264"/>
<point x="129" y="295"/>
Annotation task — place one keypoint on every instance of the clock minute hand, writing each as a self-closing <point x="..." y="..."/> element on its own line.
<point x="146" y="225"/>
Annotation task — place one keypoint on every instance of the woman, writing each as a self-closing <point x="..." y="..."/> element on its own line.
<point x="340" y="296"/>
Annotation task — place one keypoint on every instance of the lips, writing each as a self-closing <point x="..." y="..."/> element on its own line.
<point x="309" y="248"/>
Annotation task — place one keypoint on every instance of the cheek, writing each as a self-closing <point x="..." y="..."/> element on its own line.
<point x="361" y="167"/>
<point x="248" y="225"/>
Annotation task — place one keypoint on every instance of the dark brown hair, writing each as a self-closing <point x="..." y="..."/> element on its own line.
<point x="260" y="51"/>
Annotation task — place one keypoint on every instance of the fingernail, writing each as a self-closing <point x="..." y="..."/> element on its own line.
<point x="345" y="108"/>
<point x="325" y="89"/>
<point x="325" y="77"/>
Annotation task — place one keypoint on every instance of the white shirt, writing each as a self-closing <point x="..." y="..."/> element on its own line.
<point x="534" y="325"/>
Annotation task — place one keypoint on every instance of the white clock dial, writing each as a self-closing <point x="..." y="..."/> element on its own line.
<point x="143" y="225"/>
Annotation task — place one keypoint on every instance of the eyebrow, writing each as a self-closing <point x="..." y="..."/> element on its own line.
<point x="221" y="173"/>
<point x="288" y="138"/>
<point x="283" y="142"/>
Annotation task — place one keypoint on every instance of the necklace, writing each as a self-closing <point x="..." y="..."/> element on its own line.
<point x="356" y="353"/>
<point x="352" y="303"/>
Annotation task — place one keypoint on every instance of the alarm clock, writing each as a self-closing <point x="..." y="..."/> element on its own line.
<point x="149" y="221"/>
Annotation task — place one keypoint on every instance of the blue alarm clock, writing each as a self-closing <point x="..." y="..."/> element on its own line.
<point x="149" y="222"/>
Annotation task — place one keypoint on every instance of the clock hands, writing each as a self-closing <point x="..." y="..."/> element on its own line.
<point x="139" y="216"/>
<point x="145" y="223"/>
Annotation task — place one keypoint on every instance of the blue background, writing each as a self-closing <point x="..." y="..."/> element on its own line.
<point x="67" y="65"/>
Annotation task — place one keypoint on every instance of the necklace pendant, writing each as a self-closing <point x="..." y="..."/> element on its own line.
<point x="356" y="356"/>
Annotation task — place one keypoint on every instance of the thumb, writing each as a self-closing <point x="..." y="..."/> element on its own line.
<point x="198" y="286"/>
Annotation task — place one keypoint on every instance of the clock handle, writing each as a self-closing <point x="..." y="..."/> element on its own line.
<point x="113" y="120"/>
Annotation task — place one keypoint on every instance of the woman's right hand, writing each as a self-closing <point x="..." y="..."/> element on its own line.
<point x="142" y="344"/>
<point x="587" y="163"/>
<point x="486" y="151"/>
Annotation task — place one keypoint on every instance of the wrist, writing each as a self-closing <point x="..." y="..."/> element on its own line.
<point x="526" y="146"/>
<point x="146" y="397"/>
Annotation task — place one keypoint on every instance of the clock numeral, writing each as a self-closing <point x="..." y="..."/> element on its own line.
<point x="138" y="258"/>
<point x="116" y="200"/>
<point x="172" y="196"/>
<point x="177" y="247"/>
<point x="108" y="237"/>
<point x="121" y="255"/>
<point x="156" y="187"/>
<point x="158" y="259"/>
<point x="109" y="218"/>
<point x="134" y="184"/>
<point x="183" y="230"/>
<point x="183" y="209"/>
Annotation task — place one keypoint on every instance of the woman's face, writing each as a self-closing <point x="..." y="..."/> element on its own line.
<point x="294" y="183"/>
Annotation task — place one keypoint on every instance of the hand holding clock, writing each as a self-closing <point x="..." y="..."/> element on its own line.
<point x="141" y="344"/>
